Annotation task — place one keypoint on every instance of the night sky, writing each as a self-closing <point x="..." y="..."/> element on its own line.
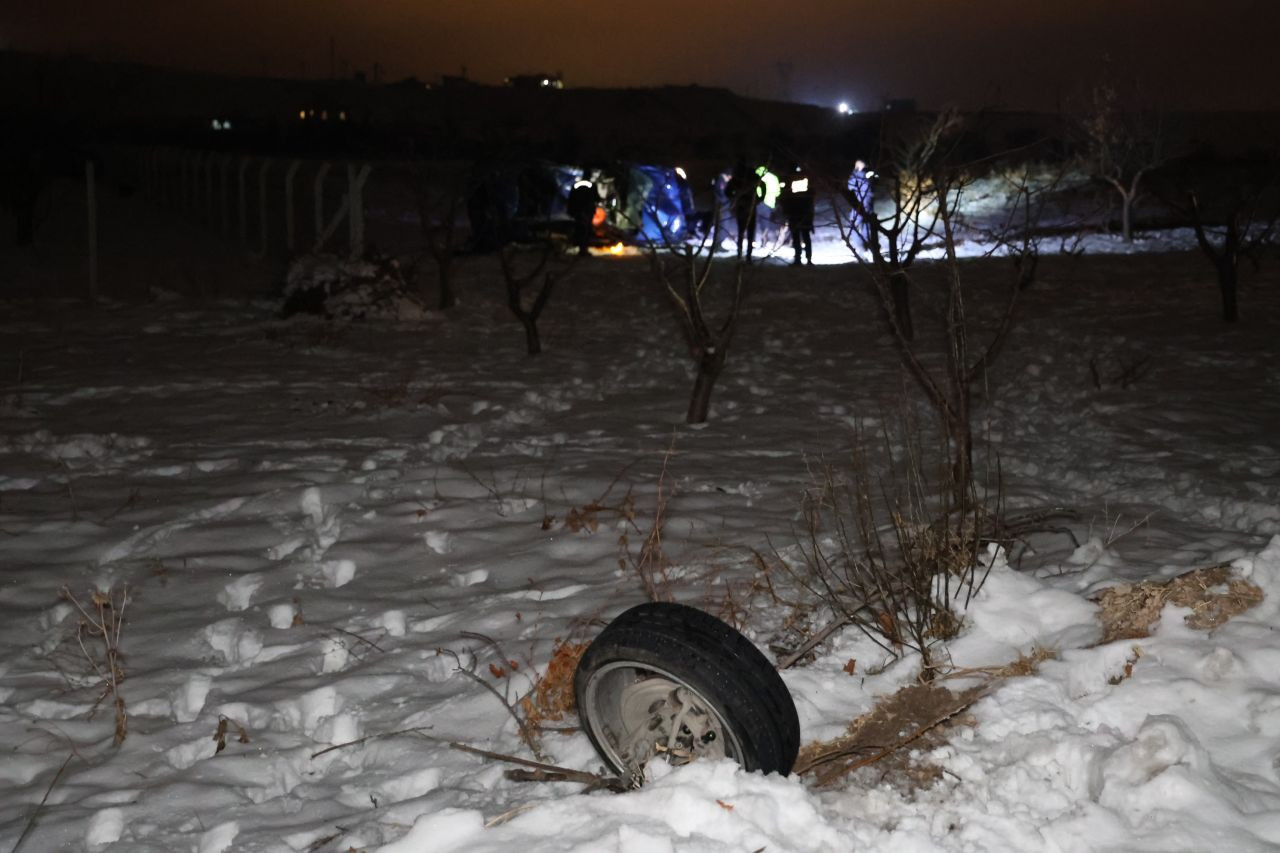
<point x="970" y="53"/>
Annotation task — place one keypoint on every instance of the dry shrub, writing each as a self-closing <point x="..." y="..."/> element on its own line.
<point x="401" y="390"/>
<point x="897" y="555"/>
<point x="650" y="562"/>
<point x="98" y="636"/>
<point x="588" y="517"/>
<point x="1213" y="594"/>
<point x="552" y="695"/>
<point x="735" y="602"/>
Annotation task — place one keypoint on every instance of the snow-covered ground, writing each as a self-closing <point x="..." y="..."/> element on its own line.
<point x="317" y="526"/>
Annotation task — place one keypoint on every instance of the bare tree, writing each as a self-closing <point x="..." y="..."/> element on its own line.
<point x="949" y="388"/>
<point x="440" y="193"/>
<point x="892" y="242"/>
<point x="707" y="297"/>
<point x="1121" y="147"/>
<point x="530" y="276"/>
<point x="1235" y="226"/>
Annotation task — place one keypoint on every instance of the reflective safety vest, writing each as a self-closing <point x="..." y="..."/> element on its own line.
<point x="772" y="186"/>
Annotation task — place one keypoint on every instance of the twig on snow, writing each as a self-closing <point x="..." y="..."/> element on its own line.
<point x="370" y="643"/>
<point x="542" y="772"/>
<point x="831" y="775"/>
<point x="35" y="813"/>
<point x="416" y="730"/>
<point x="527" y="733"/>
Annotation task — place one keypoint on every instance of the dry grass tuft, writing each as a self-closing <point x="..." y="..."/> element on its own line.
<point x="1213" y="594"/>
<point x="552" y="696"/>
<point x="1026" y="664"/>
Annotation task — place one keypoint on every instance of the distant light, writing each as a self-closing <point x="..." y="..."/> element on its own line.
<point x="546" y="82"/>
<point x="617" y="249"/>
<point x="681" y="173"/>
<point x="342" y="116"/>
<point x="844" y="108"/>
<point x="302" y="114"/>
<point x="801" y="185"/>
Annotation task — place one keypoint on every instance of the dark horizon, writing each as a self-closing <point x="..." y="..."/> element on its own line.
<point x="993" y="53"/>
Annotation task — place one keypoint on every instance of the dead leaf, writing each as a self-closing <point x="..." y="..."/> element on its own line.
<point x="221" y="735"/>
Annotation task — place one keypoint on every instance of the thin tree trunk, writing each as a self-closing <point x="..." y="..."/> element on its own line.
<point x="447" y="298"/>
<point x="709" y="367"/>
<point x="1227" y="280"/>
<point x="531" y="338"/>
<point x="898" y="289"/>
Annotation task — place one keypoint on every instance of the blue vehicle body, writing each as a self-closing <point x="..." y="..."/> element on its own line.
<point x="663" y="204"/>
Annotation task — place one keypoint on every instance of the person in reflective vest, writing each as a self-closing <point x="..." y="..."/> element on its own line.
<point x="797" y="206"/>
<point x="583" y="199"/>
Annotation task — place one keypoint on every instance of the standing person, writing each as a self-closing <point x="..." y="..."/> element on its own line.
<point x="860" y="195"/>
<point x="744" y="191"/>
<point x="797" y="206"/>
<point x="583" y="200"/>
<point x="770" y="189"/>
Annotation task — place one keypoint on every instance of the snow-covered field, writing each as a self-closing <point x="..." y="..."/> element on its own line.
<point x="318" y="526"/>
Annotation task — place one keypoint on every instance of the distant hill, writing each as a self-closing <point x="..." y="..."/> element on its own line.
<point x="101" y="101"/>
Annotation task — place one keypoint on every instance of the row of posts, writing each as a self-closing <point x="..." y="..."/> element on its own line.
<point x="200" y="184"/>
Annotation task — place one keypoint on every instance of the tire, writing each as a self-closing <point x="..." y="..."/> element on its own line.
<point x="660" y="663"/>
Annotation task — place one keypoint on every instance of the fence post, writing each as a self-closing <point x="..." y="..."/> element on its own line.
<point x="210" y="200"/>
<point x="184" y="175"/>
<point x="355" y="206"/>
<point x="262" y="207"/>
<point x="244" y="203"/>
<point x="153" y="166"/>
<point x="167" y="178"/>
<point x="91" y="202"/>
<point x="321" y="174"/>
<point x="159" y="173"/>
<point x="225" y="180"/>
<point x="288" y="203"/>
<point x="147" y="168"/>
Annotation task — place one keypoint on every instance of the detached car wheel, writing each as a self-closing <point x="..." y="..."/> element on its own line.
<point x="671" y="682"/>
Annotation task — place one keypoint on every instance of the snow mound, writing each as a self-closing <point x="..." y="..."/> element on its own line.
<point x="350" y="289"/>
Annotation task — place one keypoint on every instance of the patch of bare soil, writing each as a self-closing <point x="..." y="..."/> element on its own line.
<point x="892" y="739"/>
<point x="1213" y="594"/>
